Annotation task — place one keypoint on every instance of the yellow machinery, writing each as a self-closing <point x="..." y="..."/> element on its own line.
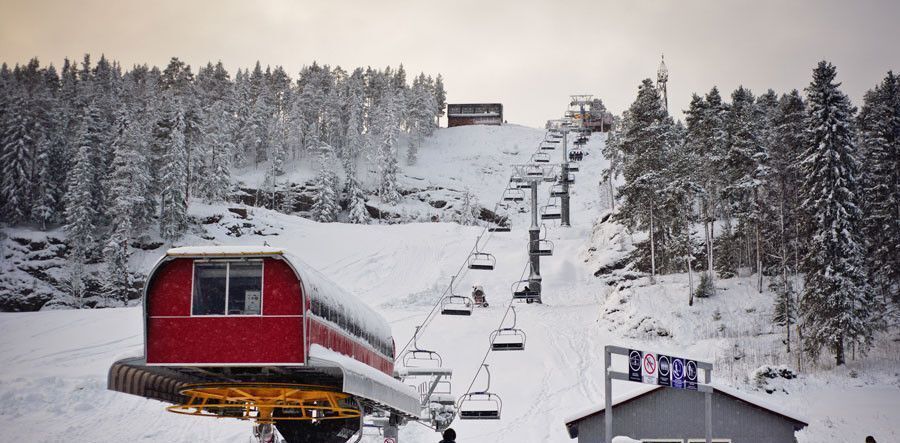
<point x="258" y="402"/>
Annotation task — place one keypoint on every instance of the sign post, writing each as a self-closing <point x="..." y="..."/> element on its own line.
<point x="656" y="369"/>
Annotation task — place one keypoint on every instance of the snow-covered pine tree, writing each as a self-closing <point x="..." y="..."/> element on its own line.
<point x="117" y="279"/>
<point x="837" y="304"/>
<point x="358" y="212"/>
<point x="15" y="156"/>
<point x="216" y="151"/>
<point x="645" y="147"/>
<point x="387" y="149"/>
<point x="173" y="198"/>
<point x="440" y="99"/>
<point x="785" y="309"/>
<point x="132" y="179"/>
<point x="468" y="209"/>
<point x="325" y="207"/>
<point x="879" y="123"/>
<point x="785" y="155"/>
<point x="80" y="210"/>
<point x="747" y="168"/>
<point x="355" y="138"/>
<point x="612" y="151"/>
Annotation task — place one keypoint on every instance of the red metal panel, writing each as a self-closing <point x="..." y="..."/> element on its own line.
<point x="225" y="340"/>
<point x="174" y="337"/>
<point x="325" y="335"/>
<point x="281" y="289"/>
<point x="170" y="290"/>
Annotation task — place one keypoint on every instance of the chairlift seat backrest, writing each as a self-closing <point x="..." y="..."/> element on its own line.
<point x="456" y="305"/>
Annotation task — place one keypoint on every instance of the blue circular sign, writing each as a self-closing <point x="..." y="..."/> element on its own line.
<point x="677" y="369"/>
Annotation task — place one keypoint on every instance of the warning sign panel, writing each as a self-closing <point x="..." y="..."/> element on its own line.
<point x="635" y="359"/>
<point x="662" y="370"/>
<point x="677" y="373"/>
<point x="690" y="375"/>
<point x="665" y="370"/>
<point x="648" y="368"/>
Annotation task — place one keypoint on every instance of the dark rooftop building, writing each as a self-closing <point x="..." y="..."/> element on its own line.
<point x="663" y="415"/>
<point x="474" y="114"/>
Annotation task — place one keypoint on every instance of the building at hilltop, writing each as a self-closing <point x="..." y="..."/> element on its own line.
<point x="463" y="114"/>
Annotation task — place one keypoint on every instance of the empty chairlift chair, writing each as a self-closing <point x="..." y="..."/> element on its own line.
<point x="455" y="304"/>
<point x="533" y="171"/>
<point x="540" y="157"/>
<point x="508" y="339"/>
<point x="514" y="195"/>
<point x="541" y="246"/>
<point x="503" y="224"/>
<point x="557" y="190"/>
<point x="481" y="405"/>
<point x="481" y="260"/>
<point x="551" y="211"/>
<point x="547" y="146"/>
<point x="417" y="357"/>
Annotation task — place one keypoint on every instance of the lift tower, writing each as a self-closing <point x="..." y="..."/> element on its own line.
<point x="562" y="127"/>
<point x="534" y="174"/>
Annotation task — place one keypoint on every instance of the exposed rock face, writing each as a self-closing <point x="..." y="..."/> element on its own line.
<point x="32" y="271"/>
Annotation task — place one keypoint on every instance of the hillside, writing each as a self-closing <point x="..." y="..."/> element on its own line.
<point x="55" y="362"/>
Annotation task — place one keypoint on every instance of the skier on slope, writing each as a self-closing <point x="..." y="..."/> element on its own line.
<point x="449" y="436"/>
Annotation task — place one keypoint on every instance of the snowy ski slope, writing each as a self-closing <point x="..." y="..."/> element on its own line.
<point x="52" y="382"/>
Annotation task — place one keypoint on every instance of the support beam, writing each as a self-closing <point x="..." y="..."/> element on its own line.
<point x="564" y="200"/>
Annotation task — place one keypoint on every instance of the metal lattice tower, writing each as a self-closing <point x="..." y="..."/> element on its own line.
<point x="662" y="77"/>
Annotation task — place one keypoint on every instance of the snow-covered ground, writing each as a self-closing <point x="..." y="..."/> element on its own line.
<point x="54" y="363"/>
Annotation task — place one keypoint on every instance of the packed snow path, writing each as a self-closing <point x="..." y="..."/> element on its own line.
<point x="52" y="385"/>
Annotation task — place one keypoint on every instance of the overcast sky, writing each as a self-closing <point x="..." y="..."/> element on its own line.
<point x="528" y="55"/>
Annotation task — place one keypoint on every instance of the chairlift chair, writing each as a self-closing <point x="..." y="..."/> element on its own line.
<point x="482" y="261"/>
<point x="547" y="146"/>
<point x="455" y="304"/>
<point x="570" y="178"/>
<point x="500" y="228"/>
<point x="479" y="260"/>
<point x="513" y="195"/>
<point x="481" y="405"/>
<point x="508" y="339"/>
<point x="572" y="167"/>
<point x="521" y="290"/>
<point x="441" y="394"/>
<point x="557" y="190"/>
<point x="540" y="157"/>
<point x="421" y="358"/>
<point x="541" y="247"/>
<point x="533" y="170"/>
<point x="551" y="212"/>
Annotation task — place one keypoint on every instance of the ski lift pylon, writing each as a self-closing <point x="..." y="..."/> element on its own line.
<point x="481" y="405"/>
